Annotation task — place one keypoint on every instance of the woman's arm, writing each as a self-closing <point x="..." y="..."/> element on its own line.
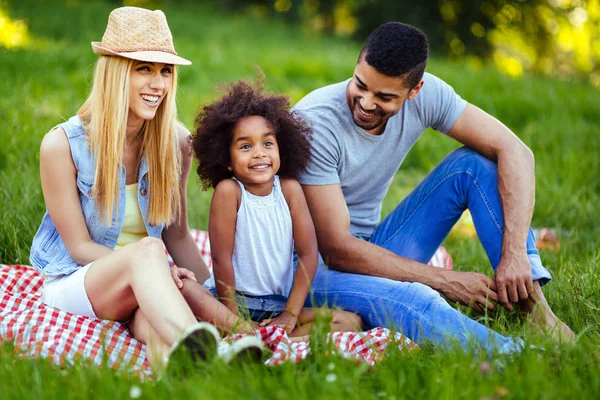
<point x="221" y="230"/>
<point x="61" y="195"/>
<point x="177" y="238"/>
<point x="305" y="242"/>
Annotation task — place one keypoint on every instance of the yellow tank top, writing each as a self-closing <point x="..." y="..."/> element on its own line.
<point x="133" y="223"/>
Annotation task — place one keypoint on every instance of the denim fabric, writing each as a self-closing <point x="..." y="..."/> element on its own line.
<point x="258" y="307"/>
<point x="49" y="255"/>
<point x="415" y="229"/>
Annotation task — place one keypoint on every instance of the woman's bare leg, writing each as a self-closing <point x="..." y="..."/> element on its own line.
<point x="135" y="276"/>
<point x="207" y="308"/>
<point x="341" y="321"/>
<point x="156" y="348"/>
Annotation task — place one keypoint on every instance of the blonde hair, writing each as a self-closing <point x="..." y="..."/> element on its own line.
<point x="104" y="116"/>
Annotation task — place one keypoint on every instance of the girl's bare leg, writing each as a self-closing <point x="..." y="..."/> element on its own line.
<point x="135" y="276"/>
<point x="207" y="308"/>
<point x="341" y="321"/>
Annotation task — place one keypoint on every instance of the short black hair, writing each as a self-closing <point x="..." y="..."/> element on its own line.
<point x="215" y="124"/>
<point x="398" y="50"/>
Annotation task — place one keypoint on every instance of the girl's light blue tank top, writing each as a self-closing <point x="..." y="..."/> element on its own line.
<point x="264" y="244"/>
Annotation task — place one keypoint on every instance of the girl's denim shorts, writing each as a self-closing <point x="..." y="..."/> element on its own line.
<point x="258" y="307"/>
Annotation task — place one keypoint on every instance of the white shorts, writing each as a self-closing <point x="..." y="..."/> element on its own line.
<point x="67" y="293"/>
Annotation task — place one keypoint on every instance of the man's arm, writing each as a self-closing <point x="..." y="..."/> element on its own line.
<point x="516" y="183"/>
<point x="343" y="252"/>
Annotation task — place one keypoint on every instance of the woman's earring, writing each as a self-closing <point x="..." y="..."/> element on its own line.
<point x="229" y="168"/>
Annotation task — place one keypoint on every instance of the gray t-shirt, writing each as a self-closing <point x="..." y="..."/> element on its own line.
<point x="363" y="164"/>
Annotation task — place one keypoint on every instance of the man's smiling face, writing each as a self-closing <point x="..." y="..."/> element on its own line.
<point x="374" y="97"/>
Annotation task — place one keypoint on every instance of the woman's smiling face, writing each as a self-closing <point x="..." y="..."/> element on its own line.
<point x="149" y="83"/>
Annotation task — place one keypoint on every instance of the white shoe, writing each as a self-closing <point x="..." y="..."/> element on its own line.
<point x="247" y="349"/>
<point x="197" y="343"/>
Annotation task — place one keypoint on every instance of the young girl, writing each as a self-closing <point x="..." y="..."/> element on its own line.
<point x="250" y="150"/>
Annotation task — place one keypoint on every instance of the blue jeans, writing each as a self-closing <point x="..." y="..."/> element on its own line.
<point x="258" y="307"/>
<point x="415" y="229"/>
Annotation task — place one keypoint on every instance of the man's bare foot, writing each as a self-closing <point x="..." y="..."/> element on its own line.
<point x="536" y="309"/>
<point x="302" y="338"/>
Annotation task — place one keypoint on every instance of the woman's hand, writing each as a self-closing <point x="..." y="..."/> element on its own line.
<point x="180" y="273"/>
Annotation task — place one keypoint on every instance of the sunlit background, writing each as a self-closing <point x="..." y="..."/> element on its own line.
<point x="559" y="38"/>
<point x="531" y="64"/>
<point x="550" y="37"/>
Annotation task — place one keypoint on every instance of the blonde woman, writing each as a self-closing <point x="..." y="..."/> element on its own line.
<point x="114" y="182"/>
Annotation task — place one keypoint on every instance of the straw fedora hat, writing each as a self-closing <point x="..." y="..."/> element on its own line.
<point x="139" y="34"/>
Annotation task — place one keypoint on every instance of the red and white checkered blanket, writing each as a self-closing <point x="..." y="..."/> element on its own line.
<point x="38" y="330"/>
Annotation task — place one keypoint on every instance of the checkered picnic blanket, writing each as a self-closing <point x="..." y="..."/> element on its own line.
<point x="41" y="331"/>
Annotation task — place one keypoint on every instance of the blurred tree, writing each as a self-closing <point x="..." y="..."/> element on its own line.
<point x="13" y="33"/>
<point x="556" y="37"/>
<point x="551" y="37"/>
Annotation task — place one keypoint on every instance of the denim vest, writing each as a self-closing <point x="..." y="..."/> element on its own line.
<point x="49" y="255"/>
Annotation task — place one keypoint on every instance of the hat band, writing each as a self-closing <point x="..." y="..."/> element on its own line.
<point x="136" y="49"/>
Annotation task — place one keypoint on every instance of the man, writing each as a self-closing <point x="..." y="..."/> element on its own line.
<point x="362" y="131"/>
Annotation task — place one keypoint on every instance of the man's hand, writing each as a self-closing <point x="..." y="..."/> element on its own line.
<point x="284" y="320"/>
<point x="180" y="273"/>
<point x="470" y="288"/>
<point x="513" y="279"/>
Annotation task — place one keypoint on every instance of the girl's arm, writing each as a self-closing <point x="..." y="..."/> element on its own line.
<point x="176" y="236"/>
<point x="221" y="230"/>
<point x="305" y="242"/>
<point x="61" y="195"/>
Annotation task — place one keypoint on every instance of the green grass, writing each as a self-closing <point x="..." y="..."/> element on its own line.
<point x="44" y="84"/>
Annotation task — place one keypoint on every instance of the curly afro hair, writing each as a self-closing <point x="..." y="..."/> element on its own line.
<point x="398" y="50"/>
<point x="214" y="131"/>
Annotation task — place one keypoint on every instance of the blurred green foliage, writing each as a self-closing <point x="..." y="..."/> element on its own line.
<point x="550" y="37"/>
<point x="45" y="78"/>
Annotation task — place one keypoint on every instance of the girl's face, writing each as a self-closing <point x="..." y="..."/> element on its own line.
<point x="254" y="154"/>
<point x="149" y="83"/>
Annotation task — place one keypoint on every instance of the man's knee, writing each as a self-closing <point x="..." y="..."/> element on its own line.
<point x="471" y="160"/>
